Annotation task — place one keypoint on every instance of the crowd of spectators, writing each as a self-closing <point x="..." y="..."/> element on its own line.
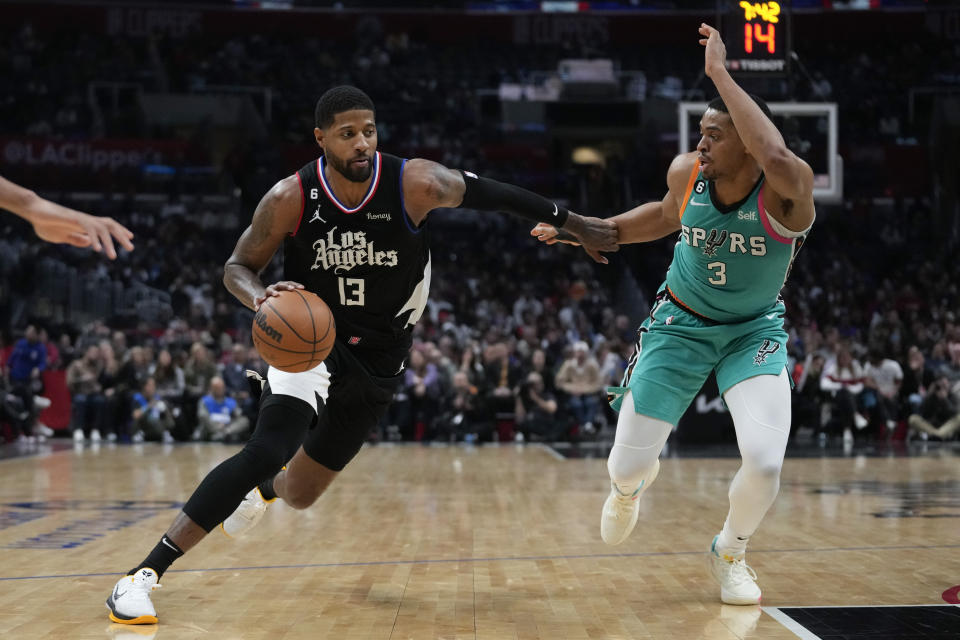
<point x="428" y="92"/>
<point x="153" y="390"/>
<point x="519" y="340"/>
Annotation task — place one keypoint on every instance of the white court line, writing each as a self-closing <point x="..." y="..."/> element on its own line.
<point x="790" y="624"/>
<point x="553" y="452"/>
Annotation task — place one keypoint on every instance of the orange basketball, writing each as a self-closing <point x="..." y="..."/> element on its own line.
<point x="294" y="331"/>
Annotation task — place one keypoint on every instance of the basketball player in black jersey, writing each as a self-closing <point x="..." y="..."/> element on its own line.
<point x="353" y="226"/>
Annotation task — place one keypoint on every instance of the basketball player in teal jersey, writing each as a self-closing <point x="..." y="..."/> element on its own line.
<point x="743" y="204"/>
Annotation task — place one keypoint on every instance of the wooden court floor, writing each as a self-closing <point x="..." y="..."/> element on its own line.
<point x="450" y="542"/>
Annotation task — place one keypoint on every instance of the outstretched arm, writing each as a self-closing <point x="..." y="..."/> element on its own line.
<point x="276" y="216"/>
<point x="428" y="185"/>
<point x="789" y="176"/>
<point x="55" y="223"/>
<point x="648" y="222"/>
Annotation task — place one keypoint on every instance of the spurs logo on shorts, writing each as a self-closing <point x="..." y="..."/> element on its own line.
<point x="767" y="348"/>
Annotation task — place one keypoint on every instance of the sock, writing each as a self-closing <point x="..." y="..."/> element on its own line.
<point x="731" y="544"/>
<point x="266" y="489"/>
<point x="160" y="558"/>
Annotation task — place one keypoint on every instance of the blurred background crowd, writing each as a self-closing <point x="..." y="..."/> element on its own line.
<point x="520" y="340"/>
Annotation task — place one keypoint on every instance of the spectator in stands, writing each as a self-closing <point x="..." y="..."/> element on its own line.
<point x="842" y="380"/>
<point x="170" y="387"/>
<point x="612" y="363"/>
<point x="579" y="378"/>
<point x="940" y="407"/>
<point x="219" y="416"/>
<point x="66" y="349"/>
<point x="951" y="368"/>
<point x="152" y="416"/>
<point x="26" y="362"/>
<point x="808" y="396"/>
<point x="83" y="381"/>
<point x="422" y="383"/>
<point x="53" y="352"/>
<point x="200" y="370"/>
<point x="917" y="380"/>
<point x="471" y="364"/>
<point x="882" y="379"/>
<point x="538" y="364"/>
<point x="233" y="372"/>
<point x="118" y="340"/>
<point x="536" y="411"/>
<point x="462" y="412"/>
<point x="501" y="376"/>
<point x="168" y="378"/>
<point x="116" y="393"/>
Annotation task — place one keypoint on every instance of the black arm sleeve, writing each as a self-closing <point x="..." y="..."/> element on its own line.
<point x="490" y="195"/>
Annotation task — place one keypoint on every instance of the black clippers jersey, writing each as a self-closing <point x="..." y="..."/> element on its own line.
<point x="369" y="263"/>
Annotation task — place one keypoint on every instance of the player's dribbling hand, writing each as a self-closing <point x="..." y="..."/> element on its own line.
<point x="715" y="55"/>
<point x="274" y="290"/>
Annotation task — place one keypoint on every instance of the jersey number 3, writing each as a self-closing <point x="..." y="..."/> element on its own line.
<point x="719" y="274"/>
<point x="351" y="292"/>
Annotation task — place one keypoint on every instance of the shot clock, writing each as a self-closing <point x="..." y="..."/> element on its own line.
<point x="757" y="36"/>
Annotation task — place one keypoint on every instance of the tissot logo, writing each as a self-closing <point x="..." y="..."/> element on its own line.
<point x="378" y="216"/>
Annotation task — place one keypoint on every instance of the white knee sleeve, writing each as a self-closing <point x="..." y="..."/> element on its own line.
<point x="760" y="408"/>
<point x="636" y="447"/>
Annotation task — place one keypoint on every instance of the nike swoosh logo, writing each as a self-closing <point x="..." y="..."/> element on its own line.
<point x="556" y="211"/>
<point x="116" y="593"/>
<point x="700" y="204"/>
<point x="164" y="541"/>
<point x="771" y="316"/>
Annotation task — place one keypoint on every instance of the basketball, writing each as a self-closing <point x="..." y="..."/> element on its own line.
<point x="294" y="331"/>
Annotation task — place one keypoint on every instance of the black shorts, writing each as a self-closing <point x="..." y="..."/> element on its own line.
<point x="349" y="397"/>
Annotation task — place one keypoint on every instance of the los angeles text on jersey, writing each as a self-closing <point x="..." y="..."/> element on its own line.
<point x="351" y="251"/>
<point x="714" y="240"/>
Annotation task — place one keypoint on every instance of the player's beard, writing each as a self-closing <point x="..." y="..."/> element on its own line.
<point x="350" y="172"/>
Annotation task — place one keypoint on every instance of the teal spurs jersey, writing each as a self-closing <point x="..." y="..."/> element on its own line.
<point x="730" y="262"/>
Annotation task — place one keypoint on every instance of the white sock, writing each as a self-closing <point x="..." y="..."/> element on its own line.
<point x="730" y="544"/>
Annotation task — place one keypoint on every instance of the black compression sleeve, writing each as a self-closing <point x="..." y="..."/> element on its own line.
<point x="490" y="195"/>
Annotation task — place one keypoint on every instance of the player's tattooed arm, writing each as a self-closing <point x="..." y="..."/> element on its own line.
<point x="429" y="185"/>
<point x="277" y="215"/>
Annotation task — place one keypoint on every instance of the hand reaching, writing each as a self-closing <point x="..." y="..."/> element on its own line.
<point x="55" y="223"/>
<point x="715" y="54"/>
<point x="551" y="235"/>
<point x="604" y="232"/>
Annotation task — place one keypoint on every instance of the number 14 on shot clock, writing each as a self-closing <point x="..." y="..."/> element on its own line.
<point x="757" y="35"/>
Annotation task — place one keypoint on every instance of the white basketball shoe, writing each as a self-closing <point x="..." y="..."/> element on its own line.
<point x="246" y="515"/>
<point x="620" y="511"/>
<point x="129" y="602"/>
<point x="738" y="582"/>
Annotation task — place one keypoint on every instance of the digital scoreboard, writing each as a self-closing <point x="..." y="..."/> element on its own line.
<point x="757" y="36"/>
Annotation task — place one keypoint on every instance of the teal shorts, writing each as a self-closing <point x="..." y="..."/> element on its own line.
<point x="677" y="350"/>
